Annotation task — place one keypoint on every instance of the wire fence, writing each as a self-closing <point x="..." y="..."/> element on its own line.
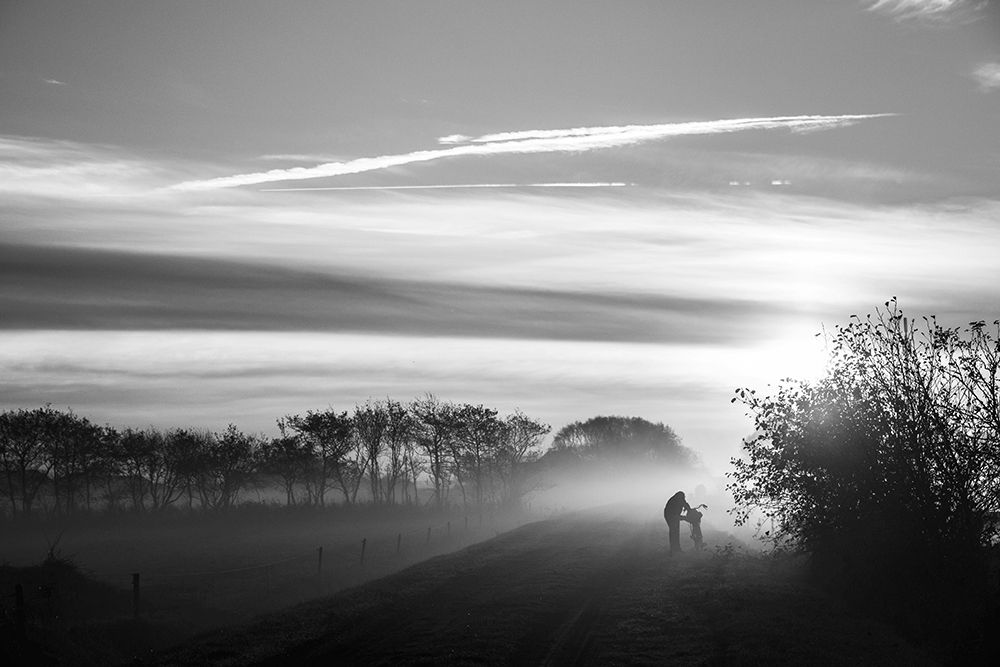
<point x="41" y="611"/>
<point x="257" y="586"/>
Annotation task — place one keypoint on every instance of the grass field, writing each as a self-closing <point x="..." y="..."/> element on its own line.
<point x="592" y="588"/>
<point x="201" y="572"/>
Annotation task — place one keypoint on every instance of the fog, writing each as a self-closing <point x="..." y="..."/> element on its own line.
<point x="644" y="489"/>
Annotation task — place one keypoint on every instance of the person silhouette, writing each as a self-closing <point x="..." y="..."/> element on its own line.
<point x="693" y="517"/>
<point x="672" y="515"/>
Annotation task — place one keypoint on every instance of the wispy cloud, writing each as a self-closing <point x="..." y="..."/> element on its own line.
<point x="928" y="10"/>
<point x="67" y="170"/>
<point x="454" y="139"/>
<point x="82" y="288"/>
<point x="988" y="76"/>
<point x="637" y="133"/>
<point x="572" y="140"/>
<point x="455" y="186"/>
<point x="299" y="157"/>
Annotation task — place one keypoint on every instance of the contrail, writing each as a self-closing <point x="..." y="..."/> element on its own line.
<point x="676" y="129"/>
<point x="573" y="140"/>
<point x="458" y="186"/>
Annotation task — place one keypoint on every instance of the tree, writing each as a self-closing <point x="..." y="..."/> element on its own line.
<point x="190" y="450"/>
<point x="71" y="444"/>
<point x="290" y="458"/>
<point x="150" y="462"/>
<point x="106" y="467"/>
<point x="328" y="436"/>
<point x="478" y="435"/>
<point x="94" y="460"/>
<point x="621" y="441"/>
<point x="371" y="421"/>
<point x="400" y="430"/>
<point x="896" y="448"/>
<point x="437" y="425"/>
<point x="24" y="454"/>
<point x="519" y="443"/>
<point x="231" y="462"/>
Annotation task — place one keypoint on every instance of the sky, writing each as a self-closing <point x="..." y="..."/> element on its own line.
<point x="226" y="212"/>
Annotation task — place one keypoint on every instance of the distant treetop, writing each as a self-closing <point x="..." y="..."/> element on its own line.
<point x="621" y="440"/>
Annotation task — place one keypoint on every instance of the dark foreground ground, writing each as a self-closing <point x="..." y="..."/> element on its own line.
<point x="594" y="588"/>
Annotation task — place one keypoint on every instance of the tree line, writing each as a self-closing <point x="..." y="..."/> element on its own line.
<point x="382" y="452"/>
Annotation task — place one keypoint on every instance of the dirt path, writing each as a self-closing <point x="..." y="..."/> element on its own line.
<point x="590" y="589"/>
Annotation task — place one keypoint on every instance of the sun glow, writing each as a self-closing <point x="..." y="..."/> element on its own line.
<point x="796" y="356"/>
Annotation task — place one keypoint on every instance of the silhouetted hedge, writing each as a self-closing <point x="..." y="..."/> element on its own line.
<point x="887" y="470"/>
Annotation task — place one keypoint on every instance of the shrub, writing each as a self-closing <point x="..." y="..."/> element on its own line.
<point x="885" y="470"/>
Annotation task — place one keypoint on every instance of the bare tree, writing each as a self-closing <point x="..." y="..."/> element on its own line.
<point x="290" y="458"/>
<point x="106" y="467"/>
<point x="400" y="430"/>
<point x="24" y="454"/>
<point x="71" y="443"/>
<point x="190" y="450"/>
<point x="327" y="434"/>
<point x="230" y="465"/>
<point x="478" y="434"/>
<point x="137" y="449"/>
<point x="518" y="445"/>
<point x="371" y="422"/>
<point x="437" y="426"/>
<point x="151" y="461"/>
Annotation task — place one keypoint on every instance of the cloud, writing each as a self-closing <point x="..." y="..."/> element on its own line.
<point x="67" y="170"/>
<point x="299" y="157"/>
<point x="89" y="289"/>
<point x="54" y="82"/>
<point x="929" y="10"/>
<point x="454" y="139"/>
<point x="988" y="76"/>
<point x="629" y="134"/>
<point x="455" y="186"/>
<point x="573" y="140"/>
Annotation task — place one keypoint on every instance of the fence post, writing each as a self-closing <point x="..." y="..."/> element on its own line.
<point x="135" y="596"/>
<point x="319" y="563"/>
<point x="399" y="542"/>
<point x="19" y="615"/>
<point x="428" y="534"/>
<point x="364" y="543"/>
<point x="449" y="529"/>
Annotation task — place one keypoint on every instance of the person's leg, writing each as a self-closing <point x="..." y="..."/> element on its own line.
<point x="675" y="535"/>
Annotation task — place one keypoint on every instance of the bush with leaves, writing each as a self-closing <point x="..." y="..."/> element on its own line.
<point x="885" y="470"/>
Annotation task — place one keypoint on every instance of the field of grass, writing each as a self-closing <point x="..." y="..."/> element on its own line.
<point x="593" y="588"/>
<point x="199" y="572"/>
